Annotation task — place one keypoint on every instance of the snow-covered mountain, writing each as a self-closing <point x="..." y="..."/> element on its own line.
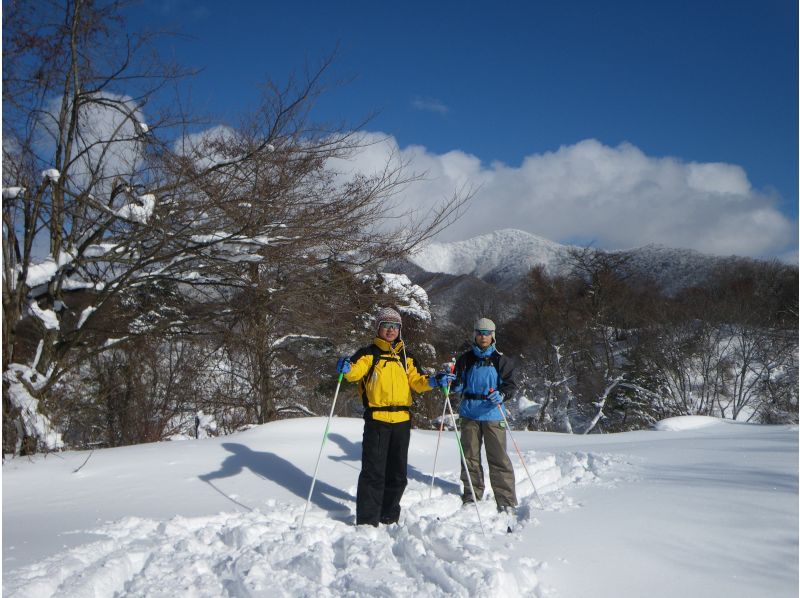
<point x="504" y="257"/>
<point x="510" y="252"/>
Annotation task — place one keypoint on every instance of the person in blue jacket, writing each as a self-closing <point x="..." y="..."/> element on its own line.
<point x="485" y="379"/>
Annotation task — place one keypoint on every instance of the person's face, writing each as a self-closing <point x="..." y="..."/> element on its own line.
<point x="483" y="338"/>
<point x="389" y="331"/>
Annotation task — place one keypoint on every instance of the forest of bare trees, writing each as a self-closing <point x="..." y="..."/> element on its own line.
<point x="601" y="350"/>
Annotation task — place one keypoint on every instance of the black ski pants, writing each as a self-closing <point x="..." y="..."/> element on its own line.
<point x="384" y="475"/>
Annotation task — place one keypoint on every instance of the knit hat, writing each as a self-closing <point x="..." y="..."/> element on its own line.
<point x="387" y="314"/>
<point x="486" y="324"/>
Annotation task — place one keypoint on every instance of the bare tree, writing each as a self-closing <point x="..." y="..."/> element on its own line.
<point x="109" y="207"/>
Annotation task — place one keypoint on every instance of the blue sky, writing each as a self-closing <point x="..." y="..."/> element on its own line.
<point x="682" y="88"/>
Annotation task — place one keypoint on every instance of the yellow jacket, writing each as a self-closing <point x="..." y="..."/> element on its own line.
<point x="389" y="385"/>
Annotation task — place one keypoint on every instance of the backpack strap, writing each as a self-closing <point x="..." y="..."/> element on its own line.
<point x="368" y="411"/>
<point x="471" y="360"/>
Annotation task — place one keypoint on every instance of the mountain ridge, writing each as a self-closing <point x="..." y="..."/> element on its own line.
<point x="505" y="256"/>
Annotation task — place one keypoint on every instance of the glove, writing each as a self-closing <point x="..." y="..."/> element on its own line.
<point x="343" y="365"/>
<point x="442" y="379"/>
<point x="495" y="397"/>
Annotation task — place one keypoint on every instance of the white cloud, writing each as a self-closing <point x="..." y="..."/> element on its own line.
<point x="430" y="105"/>
<point x="107" y="141"/>
<point x="206" y="147"/>
<point x="617" y="197"/>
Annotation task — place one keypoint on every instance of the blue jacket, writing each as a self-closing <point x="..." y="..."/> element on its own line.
<point x="477" y="371"/>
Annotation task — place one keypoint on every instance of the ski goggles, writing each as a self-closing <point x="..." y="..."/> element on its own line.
<point x="390" y="325"/>
<point x="483" y="332"/>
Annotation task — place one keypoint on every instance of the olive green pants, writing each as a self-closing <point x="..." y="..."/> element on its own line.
<point x="501" y="473"/>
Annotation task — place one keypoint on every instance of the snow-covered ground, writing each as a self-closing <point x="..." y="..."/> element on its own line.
<point x="699" y="507"/>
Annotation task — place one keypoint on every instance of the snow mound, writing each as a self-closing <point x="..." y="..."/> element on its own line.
<point x="688" y="422"/>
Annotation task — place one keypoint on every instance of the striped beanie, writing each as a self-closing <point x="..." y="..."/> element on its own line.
<point x="387" y="314"/>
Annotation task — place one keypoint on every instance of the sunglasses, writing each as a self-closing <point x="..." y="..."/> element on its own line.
<point x="390" y="326"/>
<point x="484" y="332"/>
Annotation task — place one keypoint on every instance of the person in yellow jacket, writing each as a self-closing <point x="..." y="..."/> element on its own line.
<point x="386" y="374"/>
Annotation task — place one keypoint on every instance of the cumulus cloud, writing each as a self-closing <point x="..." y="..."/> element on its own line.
<point x="207" y="147"/>
<point x="107" y="143"/>
<point x="616" y="197"/>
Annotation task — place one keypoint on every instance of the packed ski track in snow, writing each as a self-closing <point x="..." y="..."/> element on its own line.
<point x="249" y="541"/>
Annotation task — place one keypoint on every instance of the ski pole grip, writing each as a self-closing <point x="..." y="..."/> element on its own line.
<point x="451" y="367"/>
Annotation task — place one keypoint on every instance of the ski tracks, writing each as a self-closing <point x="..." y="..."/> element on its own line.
<point x="438" y="549"/>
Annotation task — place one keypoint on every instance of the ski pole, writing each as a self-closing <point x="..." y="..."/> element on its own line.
<point x="463" y="458"/>
<point x="519" y="453"/>
<point x="324" y="438"/>
<point x="438" y="440"/>
<point x="452" y="367"/>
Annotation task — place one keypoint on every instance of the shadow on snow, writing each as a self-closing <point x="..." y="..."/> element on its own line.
<point x="277" y="469"/>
